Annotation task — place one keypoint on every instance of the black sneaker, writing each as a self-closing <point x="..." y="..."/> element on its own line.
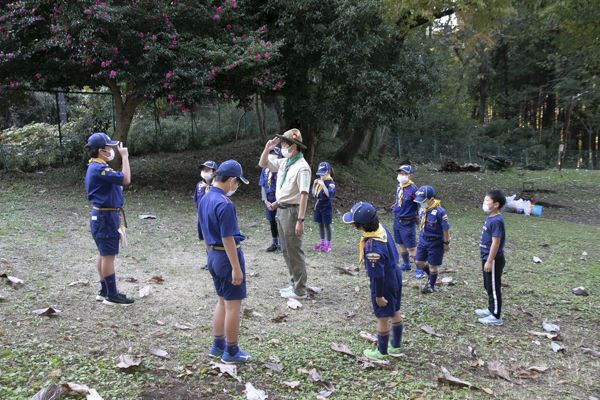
<point x="100" y="296"/>
<point x="427" y="289"/>
<point x="120" y="300"/>
<point x="273" y="247"/>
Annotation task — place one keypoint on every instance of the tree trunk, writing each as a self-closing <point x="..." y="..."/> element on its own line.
<point x="365" y="147"/>
<point x="484" y="70"/>
<point x="345" y="154"/>
<point x="275" y="103"/>
<point x="260" y="117"/>
<point x="125" y="106"/>
<point x="564" y="139"/>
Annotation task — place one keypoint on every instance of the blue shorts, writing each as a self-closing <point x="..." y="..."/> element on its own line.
<point x="392" y="291"/>
<point x="323" y="215"/>
<point x="430" y="251"/>
<point x="104" y="226"/>
<point x="270" y="215"/>
<point x="405" y="233"/>
<point x="220" y="270"/>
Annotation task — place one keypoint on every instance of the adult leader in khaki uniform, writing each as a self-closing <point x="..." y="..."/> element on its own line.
<point x="293" y="186"/>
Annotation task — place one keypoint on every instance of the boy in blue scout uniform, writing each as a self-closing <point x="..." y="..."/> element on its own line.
<point x="405" y="218"/>
<point x="104" y="188"/>
<point x="207" y="173"/>
<point x="220" y="230"/>
<point x="434" y="236"/>
<point x="268" y="187"/>
<point x="491" y="246"/>
<point x="324" y="191"/>
<point x="381" y="263"/>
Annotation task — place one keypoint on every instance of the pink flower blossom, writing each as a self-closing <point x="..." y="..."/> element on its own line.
<point x="169" y="74"/>
<point x="103" y="5"/>
<point x="257" y="57"/>
<point x="112" y="74"/>
<point x="141" y="34"/>
<point x="126" y="62"/>
<point x="154" y="38"/>
<point x="267" y="55"/>
<point x="219" y="9"/>
<point x="36" y="77"/>
<point x="105" y="64"/>
<point x="234" y="4"/>
<point x="115" y="50"/>
<point x="170" y="96"/>
<point x="171" y="46"/>
<point x="216" y="17"/>
<point x="146" y="46"/>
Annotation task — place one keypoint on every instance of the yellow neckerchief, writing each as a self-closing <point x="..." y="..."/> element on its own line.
<point x="436" y="203"/>
<point x="380" y="235"/>
<point x="401" y="191"/>
<point x="318" y="188"/>
<point x="98" y="160"/>
<point x="269" y="176"/>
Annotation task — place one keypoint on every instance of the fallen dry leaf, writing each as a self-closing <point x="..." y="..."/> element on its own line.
<point x="126" y="362"/>
<point x="537" y="260"/>
<point x="75" y="388"/>
<point x="314" y="290"/>
<point x="294" y="304"/>
<point x="279" y="318"/>
<point x="341" y="348"/>
<point x="273" y="366"/>
<point x="348" y="270"/>
<point x="556" y="347"/>
<point x="93" y="395"/>
<point x="48" y="311"/>
<point x="551" y="336"/>
<point x="275" y="342"/>
<point x="368" y="363"/>
<point x="147" y="216"/>
<point x="449" y="379"/>
<point x="448" y="280"/>
<point x="253" y="393"/>
<point x="550" y="328"/>
<point x="324" y="394"/>
<point x="227" y="369"/>
<point x="291" y="384"/>
<point x="144" y="291"/>
<point x="158" y="279"/>
<point x="429" y="330"/>
<point x="537" y="369"/>
<point x="51" y="392"/>
<point x="369" y="336"/>
<point x="182" y="327"/>
<point x="161" y="323"/>
<point x="592" y="352"/>
<point x="495" y="369"/>
<point x="131" y="280"/>
<point x="580" y="291"/>
<point x="472" y="351"/>
<point x="314" y="375"/>
<point x="159" y="353"/>
<point x="79" y="283"/>
<point x="249" y="312"/>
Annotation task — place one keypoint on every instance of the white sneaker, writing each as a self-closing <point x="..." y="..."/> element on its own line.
<point x="483" y="312"/>
<point x="491" y="320"/>
<point x="292" y="295"/>
<point x="286" y="292"/>
<point x="286" y="289"/>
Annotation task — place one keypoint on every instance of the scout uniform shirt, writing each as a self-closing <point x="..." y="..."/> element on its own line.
<point x="292" y="183"/>
<point x="103" y="185"/>
<point x="434" y="221"/>
<point x="218" y="218"/>
<point x="405" y="207"/>
<point x="268" y="180"/>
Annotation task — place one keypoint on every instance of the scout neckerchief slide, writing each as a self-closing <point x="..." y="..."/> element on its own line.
<point x="317" y="188"/>
<point x="380" y="235"/>
<point x="288" y="164"/>
<point x="401" y="191"/>
<point x="436" y="203"/>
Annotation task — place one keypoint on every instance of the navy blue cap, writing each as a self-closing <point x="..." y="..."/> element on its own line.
<point x="424" y="193"/>
<point x="324" y="168"/>
<point x="232" y="168"/>
<point x="277" y="150"/>
<point x="209" y="164"/>
<point x="407" y="169"/>
<point x="360" y="213"/>
<point x="100" y="139"/>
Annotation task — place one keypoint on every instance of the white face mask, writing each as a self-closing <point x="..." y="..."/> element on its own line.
<point x="112" y="154"/>
<point x="402" y="179"/>
<point x="273" y="158"/>
<point x="207" y="176"/>
<point x="423" y="204"/>
<point x="285" y="151"/>
<point x="486" y="208"/>
<point x="232" y="191"/>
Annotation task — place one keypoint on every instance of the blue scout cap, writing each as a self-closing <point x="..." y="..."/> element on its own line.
<point x="209" y="164"/>
<point x="277" y="150"/>
<point x="407" y="169"/>
<point x="324" y="168"/>
<point x="100" y="139"/>
<point x="424" y="193"/>
<point x="232" y="168"/>
<point x="360" y="213"/>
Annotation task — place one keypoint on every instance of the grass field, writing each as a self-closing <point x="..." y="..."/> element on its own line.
<point x="45" y="240"/>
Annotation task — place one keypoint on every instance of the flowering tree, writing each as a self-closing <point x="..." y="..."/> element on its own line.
<point x="184" y="51"/>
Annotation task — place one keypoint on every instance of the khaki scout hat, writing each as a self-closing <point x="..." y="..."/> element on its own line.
<point x="293" y="136"/>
